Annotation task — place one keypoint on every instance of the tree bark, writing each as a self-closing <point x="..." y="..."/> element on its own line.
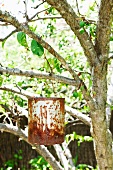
<point x="100" y="132"/>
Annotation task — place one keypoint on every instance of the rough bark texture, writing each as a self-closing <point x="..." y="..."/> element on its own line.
<point x="102" y="136"/>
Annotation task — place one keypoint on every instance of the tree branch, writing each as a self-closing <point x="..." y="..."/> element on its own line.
<point x="18" y="72"/>
<point x="25" y="13"/>
<point x="22" y="27"/>
<point x="11" y="33"/>
<point x="73" y="20"/>
<point x="44" y="18"/>
<point x="103" y="27"/>
<point x="38" y="13"/>
<point x="9" y="18"/>
<point x="42" y="150"/>
<point x="61" y="156"/>
<point x="74" y="82"/>
<point x="78" y="7"/>
<point x="68" y="154"/>
<point x="18" y="91"/>
<point x="39" y="5"/>
<point x="75" y="113"/>
<point x="110" y="58"/>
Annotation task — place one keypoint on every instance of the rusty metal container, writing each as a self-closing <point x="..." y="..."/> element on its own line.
<point x="46" y="120"/>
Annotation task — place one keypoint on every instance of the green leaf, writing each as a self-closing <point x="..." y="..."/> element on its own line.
<point x="20" y="151"/>
<point x="81" y="31"/>
<point x="111" y="38"/>
<point x="82" y="24"/>
<point x="75" y="94"/>
<point x="37" y="48"/>
<point x="15" y="155"/>
<point x="67" y="138"/>
<point x="75" y="159"/>
<point x="3" y="43"/>
<point x="20" y="157"/>
<point x="21" y="37"/>
<point x="92" y="8"/>
<point x="72" y="136"/>
<point x="32" y="28"/>
<point x="1" y="81"/>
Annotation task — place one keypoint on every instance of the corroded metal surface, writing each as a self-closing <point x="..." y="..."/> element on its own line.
<point x="46" y="120"/>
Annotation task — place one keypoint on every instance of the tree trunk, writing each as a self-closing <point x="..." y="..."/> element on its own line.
<point x="101" y="134"/>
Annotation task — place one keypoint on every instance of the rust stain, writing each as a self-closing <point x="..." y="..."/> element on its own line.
<point x="46" y="120"/>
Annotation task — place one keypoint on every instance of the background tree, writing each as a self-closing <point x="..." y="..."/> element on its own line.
<point x="49" y="63"/>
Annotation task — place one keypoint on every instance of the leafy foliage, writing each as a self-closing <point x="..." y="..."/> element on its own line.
<point x="39" y="163"/>
<point x="14" y="162"/>
<point x="79" y="138"/>
<point x="1" y="80"/>
<point x="21" y="37"/>
<point x="36" y="48"/>
<point x="82" y="24"/>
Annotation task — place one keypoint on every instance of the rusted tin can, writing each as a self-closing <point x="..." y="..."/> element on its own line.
<point x="46" y="121"/>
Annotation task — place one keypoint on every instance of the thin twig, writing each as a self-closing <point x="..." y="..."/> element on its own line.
<point x="20" y="92"/>
<point x="26" y="15"/>
<point x="77" y="7"/>
<point x="39" y="5"/>
<point x="97" y="4"/>
<point x="51" y="72"/>
<point x="110" y="58"/>
<point x="44" y="18"/>
<point x="82" y="72"/>
<point x="38" y="13"/>
<point x="51" y="69"/>
<point x="4" y="24"/>
<point x="5" y="38"/>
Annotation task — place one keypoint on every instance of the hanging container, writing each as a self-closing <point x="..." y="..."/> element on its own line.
<point x="46" y="121"/>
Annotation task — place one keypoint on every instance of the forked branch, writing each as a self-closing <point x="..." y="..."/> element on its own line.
<point x="25" y="28"/>
<point x="73" y="20"/>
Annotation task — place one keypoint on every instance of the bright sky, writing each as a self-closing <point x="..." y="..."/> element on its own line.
<point x="15" y="5"/>
<point x="17" y="8"/>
